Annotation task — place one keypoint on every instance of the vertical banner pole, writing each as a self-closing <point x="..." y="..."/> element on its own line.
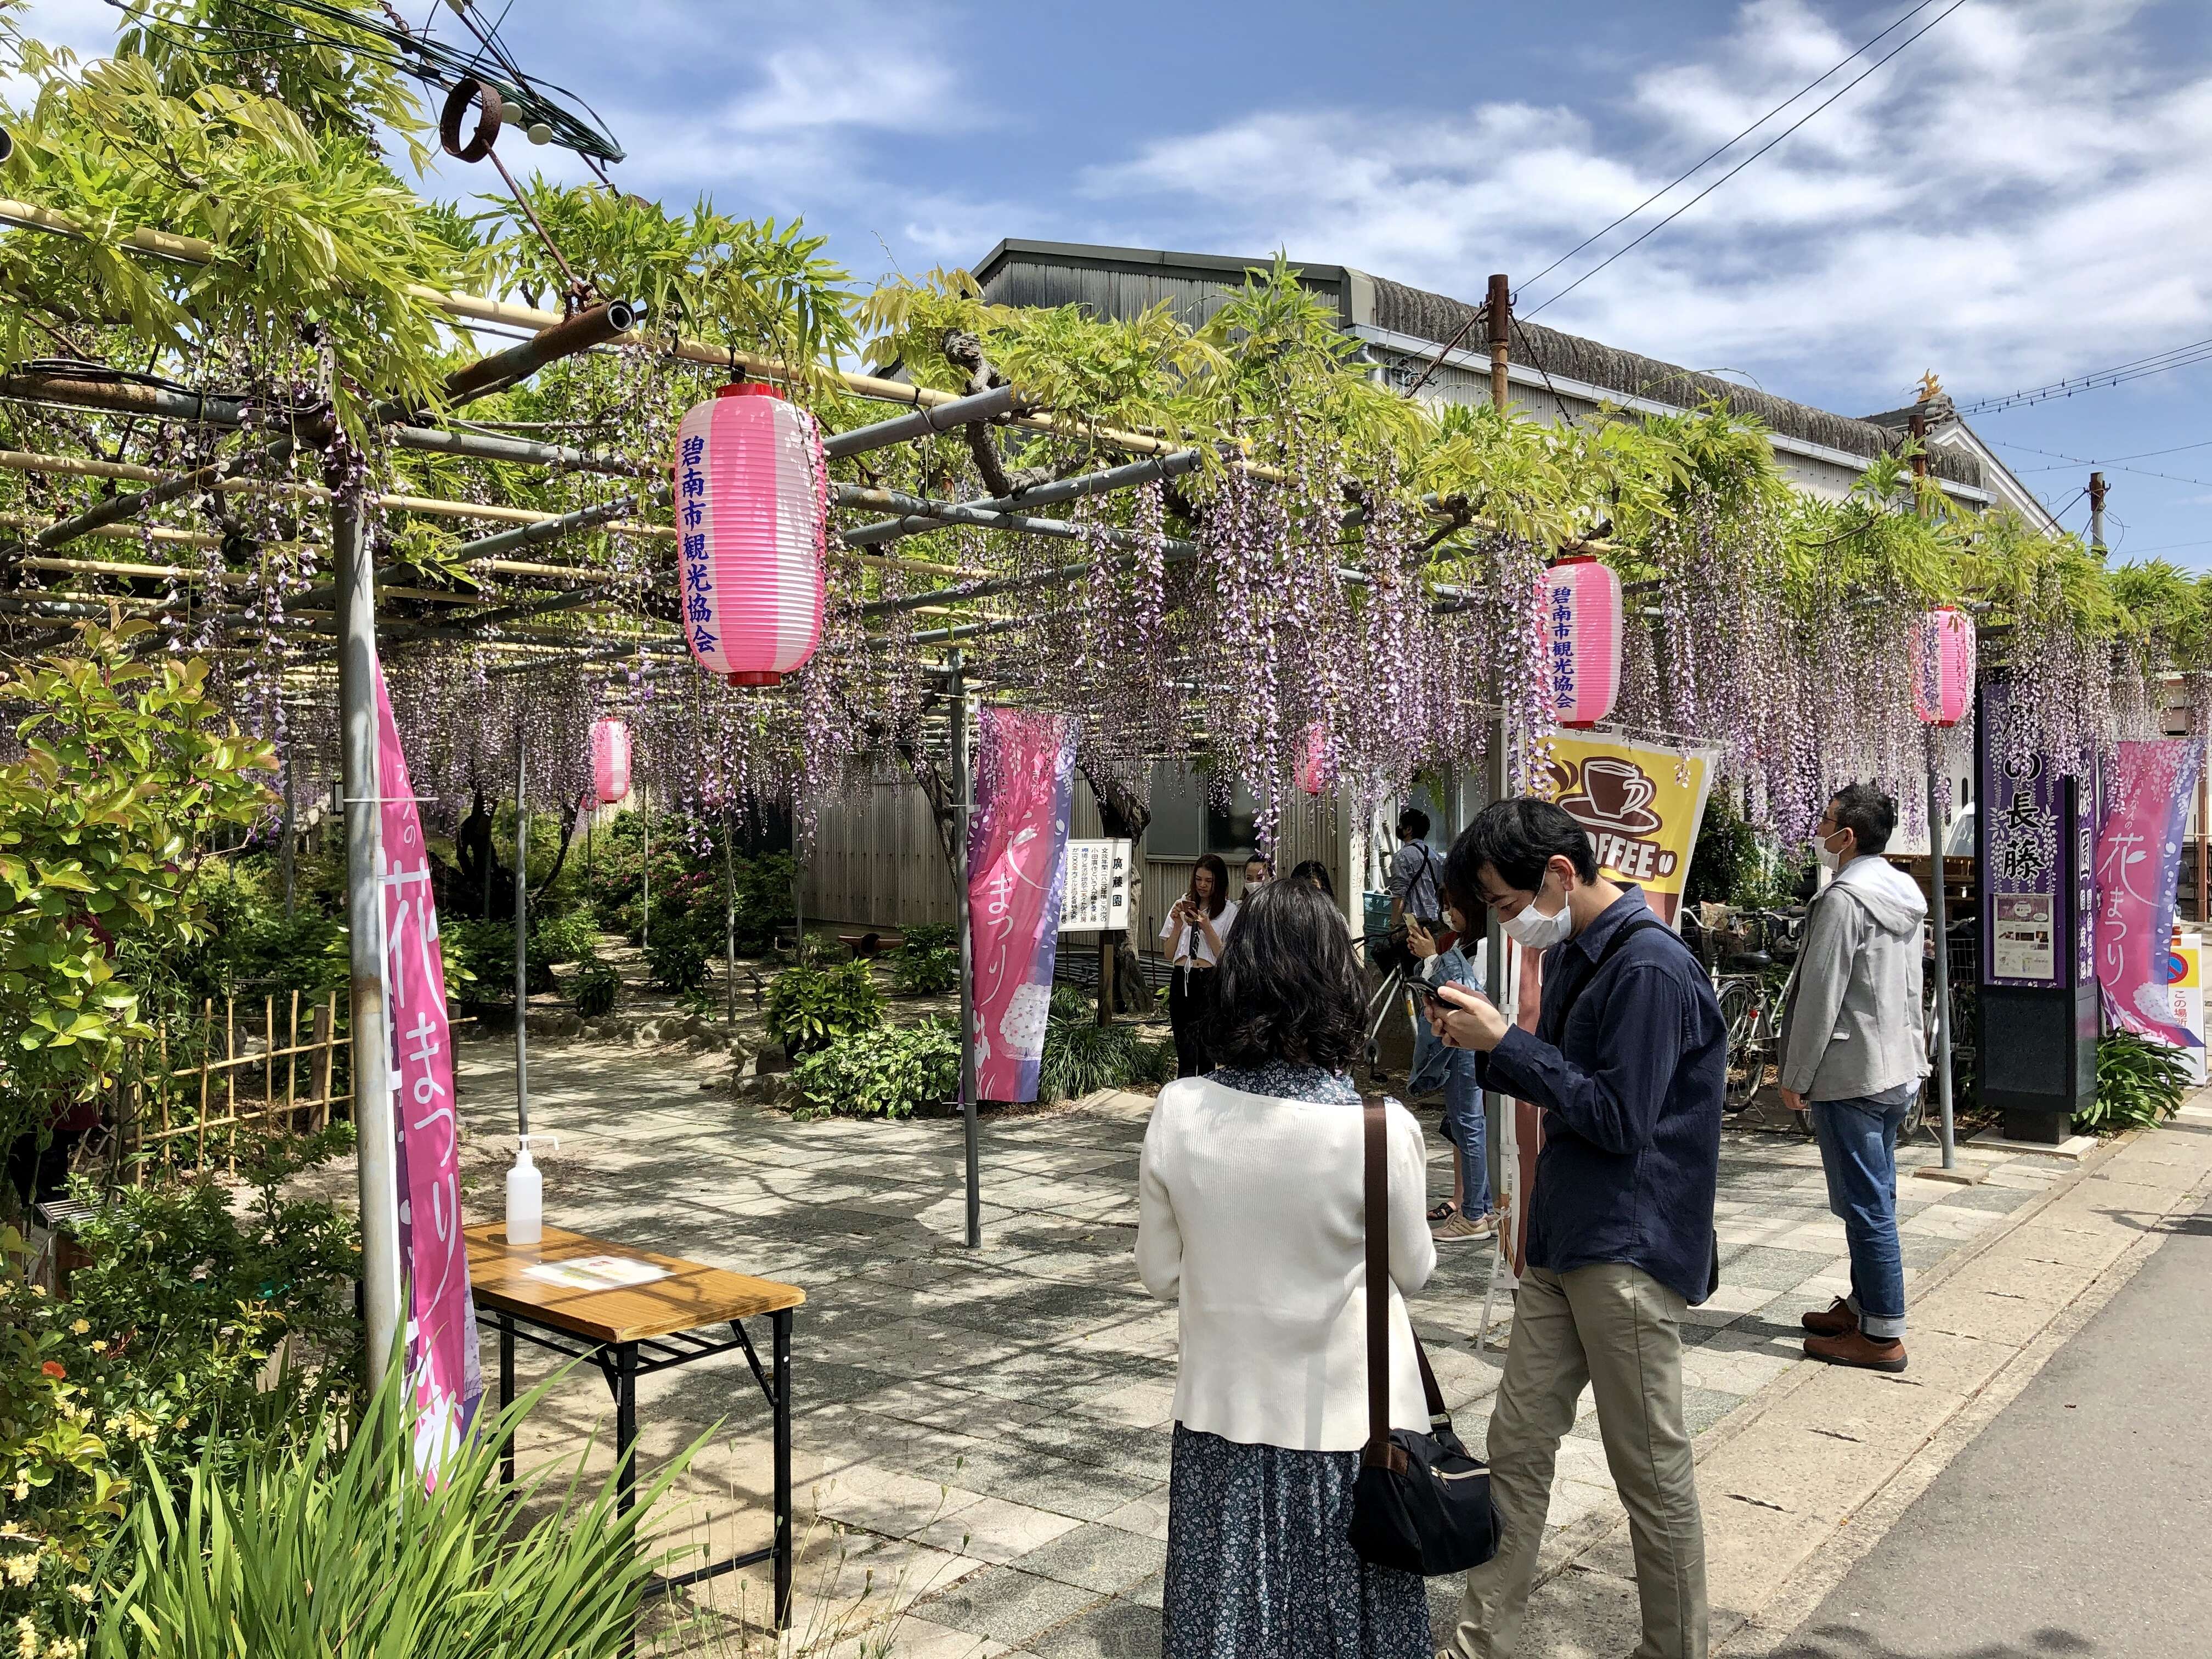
<point x="1939" y="791"/>
<point x="963" y="796"/>
<point x="521" y="935"/>
<point x="376" y="1134"/>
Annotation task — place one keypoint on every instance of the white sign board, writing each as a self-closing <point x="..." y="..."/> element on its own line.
<point x="1096" y="891"/>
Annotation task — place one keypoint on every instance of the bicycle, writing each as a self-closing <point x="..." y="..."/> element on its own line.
<point x="1751" y="1007"/>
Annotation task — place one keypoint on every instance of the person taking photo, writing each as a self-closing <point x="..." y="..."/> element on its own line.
<point x="1629" y="1062"/>
<point x="1197" y="925"/>
<point x="1854" y="1052"/>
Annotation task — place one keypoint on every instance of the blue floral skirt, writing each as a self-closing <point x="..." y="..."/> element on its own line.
<point x="1258" y="1567"/>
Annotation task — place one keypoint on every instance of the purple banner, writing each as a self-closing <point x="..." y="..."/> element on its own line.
<point x="2138" y="863"/>
<point x="1017" y="862"/>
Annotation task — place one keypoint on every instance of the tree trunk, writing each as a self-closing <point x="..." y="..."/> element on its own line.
<point x="567" y="836"/>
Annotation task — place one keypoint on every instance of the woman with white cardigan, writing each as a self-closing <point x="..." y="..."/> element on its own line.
<point x="1252" y="1217"/>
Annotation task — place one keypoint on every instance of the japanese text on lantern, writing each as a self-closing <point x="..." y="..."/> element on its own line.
<point x="691" y="512"/>
<point x="1563" y="645"/>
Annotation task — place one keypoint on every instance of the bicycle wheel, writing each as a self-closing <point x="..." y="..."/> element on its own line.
<point x="1746" y="1058"/>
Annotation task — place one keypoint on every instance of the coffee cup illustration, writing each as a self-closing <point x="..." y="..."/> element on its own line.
<point x="1616" y="794"/>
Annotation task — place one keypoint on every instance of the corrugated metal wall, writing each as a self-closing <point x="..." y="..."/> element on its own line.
<point x="1035" y="278"/>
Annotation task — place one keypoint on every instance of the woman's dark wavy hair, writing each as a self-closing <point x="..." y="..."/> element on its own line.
<point x="1316" y="873"/>
<point x="1211" y="864"/>
<point x="1288" y="985"/>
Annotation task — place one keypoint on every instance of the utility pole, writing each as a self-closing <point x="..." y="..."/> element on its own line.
<point x="2096" y="512"/>
<point x="1498" y="314"/>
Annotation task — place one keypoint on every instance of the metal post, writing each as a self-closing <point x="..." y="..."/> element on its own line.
<point x="963" y="793"/>
<point x="2097" y="512"/>
<point x="1499" y="304"/>
<point x="2203" y="844"/>
<point x="521" y="936"/>
<point x="286" y="858"/>
<point x="1495" y="1105"/>
<point x="645" y="875"/>
<point x="1939" y="790"/>
<point x="376" y="1132"/>
<point x="730" y="915"/>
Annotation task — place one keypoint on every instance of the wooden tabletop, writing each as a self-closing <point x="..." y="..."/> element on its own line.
<point x="688" y="1295"/>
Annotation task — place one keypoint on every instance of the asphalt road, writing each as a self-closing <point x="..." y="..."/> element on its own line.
<point x="2078" y="1525"/>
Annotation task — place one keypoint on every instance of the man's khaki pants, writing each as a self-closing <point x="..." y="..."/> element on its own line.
<point x="1618" y="1330"/>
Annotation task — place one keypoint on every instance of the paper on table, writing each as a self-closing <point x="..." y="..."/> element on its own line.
<point x="597" y="1272"/>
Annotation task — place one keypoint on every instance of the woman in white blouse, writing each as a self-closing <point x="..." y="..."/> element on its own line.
<point x="1252" y="1216"/>
<point x="1197" y="926"/>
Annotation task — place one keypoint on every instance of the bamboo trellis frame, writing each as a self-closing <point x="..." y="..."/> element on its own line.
<point x="284" y="1079"/>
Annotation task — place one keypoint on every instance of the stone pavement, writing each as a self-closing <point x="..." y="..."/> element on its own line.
<point x="982" y="1436"/>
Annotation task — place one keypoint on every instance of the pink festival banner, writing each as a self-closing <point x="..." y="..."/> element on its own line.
<point x="2138" y="863"/>
<point x="1017" y="860"/>
<point x="442" y="1325"/>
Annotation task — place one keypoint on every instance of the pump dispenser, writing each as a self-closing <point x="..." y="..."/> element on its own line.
<point x="525" y="1198"/>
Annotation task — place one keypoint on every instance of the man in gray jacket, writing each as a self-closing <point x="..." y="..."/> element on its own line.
<point x="1853" y="1051"/>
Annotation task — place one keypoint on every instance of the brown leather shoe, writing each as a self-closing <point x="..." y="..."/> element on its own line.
<point x="1855" y="1348"/>
<point x="1837" y="1321"/>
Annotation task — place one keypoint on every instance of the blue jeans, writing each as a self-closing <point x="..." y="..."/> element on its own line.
<point x="1465" y="1128"/>
<point x="1427" y="1071"/>
<point x="1858" y="1151"/>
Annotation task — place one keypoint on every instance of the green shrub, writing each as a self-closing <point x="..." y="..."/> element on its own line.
<point x="157" y="1361"/>
<point x="333" y="1543"/>
<point x="594" y="988"/>
<point x="1156" y="1061"/>
<point x="2140" y="1084"/>
<point x="810" y="1007"/>
<point x="1082" y="1056"/>
<point x="889" y="1072"/>
<point x="926" y="969"/>
<point x="676" y="961"/>
<point x="571" y="938"/>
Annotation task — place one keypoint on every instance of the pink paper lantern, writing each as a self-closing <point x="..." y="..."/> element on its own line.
<point x="1312" y="759"/>
<point x="1582" y="639"/>
<point x="609" y="760"/>
<point x="751" y="499"/>
<point x="1942" y="659"/>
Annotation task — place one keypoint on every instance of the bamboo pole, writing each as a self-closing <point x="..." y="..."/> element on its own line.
<point x="207" y="1026"/>
<point x="269" y="1063"/>
<point x="292" y="1065"/>
<point x="167" y="1121"/>
<point x="230" y="1082"/>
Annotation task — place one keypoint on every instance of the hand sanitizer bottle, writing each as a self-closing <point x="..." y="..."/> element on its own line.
<point x="525" y="1198"/>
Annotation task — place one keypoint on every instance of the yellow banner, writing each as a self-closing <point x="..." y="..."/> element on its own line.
<point x="1641" y="805"/>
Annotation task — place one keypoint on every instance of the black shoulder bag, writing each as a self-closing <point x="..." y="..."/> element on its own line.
<point x="1421" y="1504"/>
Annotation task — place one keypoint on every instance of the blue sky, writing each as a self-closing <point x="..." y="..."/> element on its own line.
<point x="2020" y="196"/>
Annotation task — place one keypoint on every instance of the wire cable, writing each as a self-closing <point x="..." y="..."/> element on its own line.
<point x="1839" y="91"/>
<point x="2159" y="362"/>
<point x="1713" y="155"/>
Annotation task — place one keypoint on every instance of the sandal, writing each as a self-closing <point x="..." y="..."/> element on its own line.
<point x="1444" y="1212"/>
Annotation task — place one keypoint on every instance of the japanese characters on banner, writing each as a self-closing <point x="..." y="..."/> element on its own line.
<point x="2185" y="977"/>
<point x="1016" y="864"/>
<point x="2138" y="863"/>
<point x="1641" y="805"/>
<point x="2032" y="938"/>
<point x="1096" y="894"/>
<point x="442" y="1323"/>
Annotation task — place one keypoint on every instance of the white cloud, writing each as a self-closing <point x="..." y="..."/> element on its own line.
<point x="2024" y="165"/>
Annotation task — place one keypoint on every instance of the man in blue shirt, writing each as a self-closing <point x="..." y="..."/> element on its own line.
<point x="1629" y="1062"/>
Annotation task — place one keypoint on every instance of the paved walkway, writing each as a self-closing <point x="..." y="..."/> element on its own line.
<point x="982" y="1439"/>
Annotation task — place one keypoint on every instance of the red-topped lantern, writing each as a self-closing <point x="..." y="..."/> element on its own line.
<point x="1942" y="661"/>
<point x="1581" y="598"/>
<point x="609" y="760"/>
<point x="751" y="499"/>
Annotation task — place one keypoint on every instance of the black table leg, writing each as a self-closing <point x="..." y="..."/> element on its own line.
<point x="625" y="1381"/>
<point x="506" y="1324"/>
<point x="780" y="1320"/>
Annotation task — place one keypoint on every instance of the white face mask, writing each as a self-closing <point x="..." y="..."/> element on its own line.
<point x="1829" y="859"/>
<point x="1534" y="931"/>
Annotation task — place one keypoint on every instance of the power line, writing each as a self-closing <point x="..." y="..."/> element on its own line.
<point x="2079" y="460"/>
<point x="1715" y="155"/>
<point x="2159" y="362"/>
<point x="1630" y="246"/>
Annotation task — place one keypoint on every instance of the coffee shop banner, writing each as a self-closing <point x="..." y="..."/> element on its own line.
<point x="1641" y="805"/>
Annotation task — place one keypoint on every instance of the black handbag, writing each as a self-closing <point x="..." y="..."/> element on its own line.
<point x="1421" y="1504"/>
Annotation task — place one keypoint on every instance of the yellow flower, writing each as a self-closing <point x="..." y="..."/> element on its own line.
<point x="26" y="1640"/>
<point x="20" y="1570"/>
<point x="99" y="1346"/>
<point x="82" y="1592"/>
<point x="80" y="1327"/>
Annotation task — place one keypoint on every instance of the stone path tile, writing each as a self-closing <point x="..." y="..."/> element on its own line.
<point x="992" y="1425"/>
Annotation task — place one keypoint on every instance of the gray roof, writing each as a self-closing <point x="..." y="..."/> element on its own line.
<point x="1435" y="317"/>
<point x="1120" y="281"/>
